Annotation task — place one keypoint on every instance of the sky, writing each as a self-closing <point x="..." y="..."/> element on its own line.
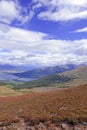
<point x="43" y="32"/>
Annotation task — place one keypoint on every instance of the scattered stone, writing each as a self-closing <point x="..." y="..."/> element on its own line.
<point x="4" y="128"/>
<point x="31" y="128"/>
<point x="43" y="126"/>
<point x="19" y="111"/>
<point x="1" y="123"/>
<point x="84" y="123"/>
<point x="64" y="126"/>
<point x="77" y="128"/>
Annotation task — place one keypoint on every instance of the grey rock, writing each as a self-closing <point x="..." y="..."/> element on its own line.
<point x="77" y="128"/>
<point x="84" y="123"/>
<point x="64" y="126"/>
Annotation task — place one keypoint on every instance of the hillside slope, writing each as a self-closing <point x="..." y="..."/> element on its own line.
<point x="6" y="91"/>
<point x="78" y="75"/>
<point x="65" y="105"/>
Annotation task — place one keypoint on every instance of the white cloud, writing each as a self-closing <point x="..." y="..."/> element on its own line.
<point x="13" y="34"/>
<point x="29" y="47"/>
<point x="20" y="47"/>
<point x="81" y="30"/>
<point x="12" y="10"/>
<point x="54" y="10"/>
<point x="62" y="10"/>
<point x="19" y="44"/>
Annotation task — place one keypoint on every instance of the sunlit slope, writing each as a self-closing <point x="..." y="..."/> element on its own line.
<point x="79" y="76"/>
<point x="6" y="91"/>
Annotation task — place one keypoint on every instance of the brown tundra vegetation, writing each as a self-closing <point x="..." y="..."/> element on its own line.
<point x="44" y="110"/>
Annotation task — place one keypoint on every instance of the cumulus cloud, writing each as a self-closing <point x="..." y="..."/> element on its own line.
<point x="62" y="10"/>
<point x="21" y="47"/>
<point x="19" y="35"/>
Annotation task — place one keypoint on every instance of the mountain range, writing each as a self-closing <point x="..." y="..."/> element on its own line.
<point x="58" y="76"/>
<point x="22" y="73"/>
<point x="69" y="78"/>
<point x="45" y="71"/>
<point x="7" y="72"/>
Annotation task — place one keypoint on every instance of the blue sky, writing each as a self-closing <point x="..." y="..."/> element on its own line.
<point x="43" y="32"/>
